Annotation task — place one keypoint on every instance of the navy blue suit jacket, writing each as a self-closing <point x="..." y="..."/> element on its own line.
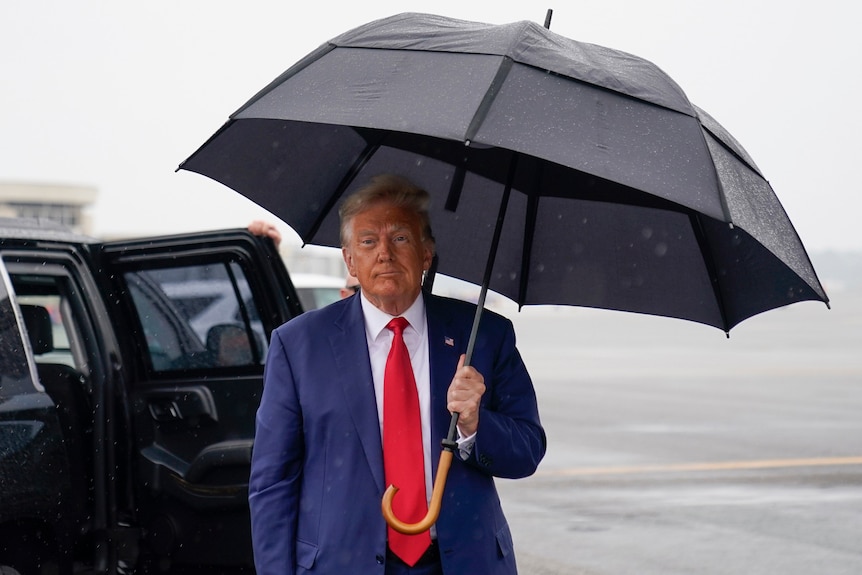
<point x="317" y="466"/>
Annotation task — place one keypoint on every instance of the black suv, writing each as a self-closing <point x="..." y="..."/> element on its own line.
<point x="130" y="373"/>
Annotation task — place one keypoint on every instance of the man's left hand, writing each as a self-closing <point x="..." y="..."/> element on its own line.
<point x="464" y="395"/>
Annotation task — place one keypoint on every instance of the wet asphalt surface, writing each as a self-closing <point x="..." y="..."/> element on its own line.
<point x="673" y="450"/>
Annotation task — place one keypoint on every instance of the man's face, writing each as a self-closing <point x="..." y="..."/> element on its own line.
<point x="386" y="253"/>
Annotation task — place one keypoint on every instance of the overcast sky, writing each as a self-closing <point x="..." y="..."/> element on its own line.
<point x="116" y="94"/>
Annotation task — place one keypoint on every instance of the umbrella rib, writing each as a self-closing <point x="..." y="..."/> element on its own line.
<point x="457" y="186"/>
<point x="345" y="182"/>
<point x="430" y="275"/>
<point x="218" y="133"/>
<point x="721" y="196"/>
<point x="488" y="99"/>
<point x="703" y="242"/>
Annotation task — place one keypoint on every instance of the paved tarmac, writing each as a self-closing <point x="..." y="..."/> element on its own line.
<point x="673" y="450"/>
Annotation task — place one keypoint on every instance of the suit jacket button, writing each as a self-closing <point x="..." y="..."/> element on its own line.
<point x="379" y="559"/>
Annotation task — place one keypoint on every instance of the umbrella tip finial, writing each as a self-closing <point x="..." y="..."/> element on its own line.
<point x="548" y="15"/>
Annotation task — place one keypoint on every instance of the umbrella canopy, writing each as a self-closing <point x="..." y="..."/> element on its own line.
<point x="616" y="191"/>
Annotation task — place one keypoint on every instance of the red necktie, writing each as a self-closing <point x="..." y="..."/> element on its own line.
<point x="403" y="459"/>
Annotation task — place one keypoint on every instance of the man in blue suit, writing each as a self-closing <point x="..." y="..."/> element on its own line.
<point x="318" y="465"/>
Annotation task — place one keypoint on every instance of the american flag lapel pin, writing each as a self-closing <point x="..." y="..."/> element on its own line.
<point x="449" y="341"/>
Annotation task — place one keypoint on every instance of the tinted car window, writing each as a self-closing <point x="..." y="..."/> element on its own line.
<point x="197" y="316"/>
<point x="56" y="346"/>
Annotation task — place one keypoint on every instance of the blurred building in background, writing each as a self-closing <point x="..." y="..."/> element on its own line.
<point x="66" y="204"/>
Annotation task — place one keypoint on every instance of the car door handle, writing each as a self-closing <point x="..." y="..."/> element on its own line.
<point x="165" y="410"/>
<point x="190" y="405"/>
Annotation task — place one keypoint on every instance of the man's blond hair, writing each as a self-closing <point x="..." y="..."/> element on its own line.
<point x="393" y="190"/>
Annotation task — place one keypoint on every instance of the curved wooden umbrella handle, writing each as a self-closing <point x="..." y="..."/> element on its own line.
<point x="433" y="507"/>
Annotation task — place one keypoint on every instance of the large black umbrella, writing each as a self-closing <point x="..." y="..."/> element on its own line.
<point x="606" y="187"/>
<point x="644" y="203"/>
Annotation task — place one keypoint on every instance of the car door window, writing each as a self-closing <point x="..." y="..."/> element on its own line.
<point x="197" y="316"/>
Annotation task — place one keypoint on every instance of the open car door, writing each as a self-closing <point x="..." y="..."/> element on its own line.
<point x="201" y="307"/>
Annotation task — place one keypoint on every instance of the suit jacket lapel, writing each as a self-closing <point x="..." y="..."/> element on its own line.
<point x="350" y="349"/>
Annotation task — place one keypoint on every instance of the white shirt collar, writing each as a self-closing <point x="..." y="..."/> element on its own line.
<point x="377" y="319"/>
